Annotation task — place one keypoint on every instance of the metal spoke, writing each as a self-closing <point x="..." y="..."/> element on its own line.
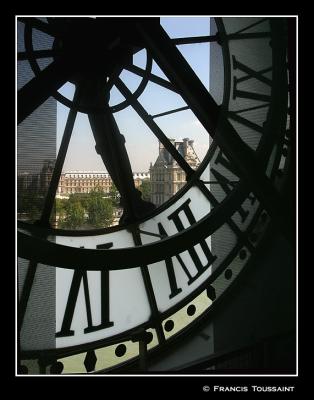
<point x="171" y="112"/>
<point x="216" y="38"/>
<point x="40" y="25"/>
<point x="41" y="87"/>
<point x="24" y="55"/>
<point x="253" y="35"/>
<point x="26" y="291"/>
<point x="51" y="194"/>
<point x="111" y="81"/>
<point x="155" y="319"/>
<point x="154" y="128"/>
<point x="195" y="39"/>
<point x="152" y="77"/>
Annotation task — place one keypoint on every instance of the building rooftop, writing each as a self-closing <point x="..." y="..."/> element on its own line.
<point x="100" y="172"/>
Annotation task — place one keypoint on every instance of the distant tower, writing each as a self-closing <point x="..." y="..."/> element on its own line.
<point x="166" y="176"/>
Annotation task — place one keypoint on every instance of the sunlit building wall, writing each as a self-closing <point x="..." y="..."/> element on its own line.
<point x="86" y="181"/>
<point x="167" y="177"/>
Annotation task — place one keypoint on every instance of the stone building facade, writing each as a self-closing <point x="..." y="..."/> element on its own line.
<point x="86" y="181"/>
<point x="166" y="176"/>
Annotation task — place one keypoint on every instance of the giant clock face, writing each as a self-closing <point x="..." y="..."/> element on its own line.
<point x="90" y="295"/>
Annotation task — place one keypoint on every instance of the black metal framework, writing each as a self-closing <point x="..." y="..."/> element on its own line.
<point x="249" y="169"/>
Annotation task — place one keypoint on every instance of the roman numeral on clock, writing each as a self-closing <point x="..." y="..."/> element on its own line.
<point x="250" y="73"/>
<point x="210" y="258"/>
<point x="226" y="184"/>
<point x="78" y="278"/>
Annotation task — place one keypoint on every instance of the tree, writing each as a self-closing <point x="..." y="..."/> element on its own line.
<point x="83" y="198"/>
<point x="60" y="210"/>
<point x="75" y="214"/>
<point x="146" y="189"/>
<point x="100" y="210"/>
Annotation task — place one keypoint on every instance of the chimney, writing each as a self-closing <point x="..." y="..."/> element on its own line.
<point x="186" y="142"/>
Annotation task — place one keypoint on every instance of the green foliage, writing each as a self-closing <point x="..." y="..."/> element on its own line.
<point x="81" y="210"/>
<point x="83" y="198"/>
<point x="100" y="210"/>
<point x="84" y="210"/>
<point x="146" y="189"/>
<point x="60" y="205"/>
<point x="60" y="210"/>
<point x="73" y="216"/>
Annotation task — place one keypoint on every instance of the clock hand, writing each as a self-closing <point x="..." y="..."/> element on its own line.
<point x="110" y="145"/>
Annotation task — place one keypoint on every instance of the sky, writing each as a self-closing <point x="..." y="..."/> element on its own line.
<point x="141" y="144"/>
